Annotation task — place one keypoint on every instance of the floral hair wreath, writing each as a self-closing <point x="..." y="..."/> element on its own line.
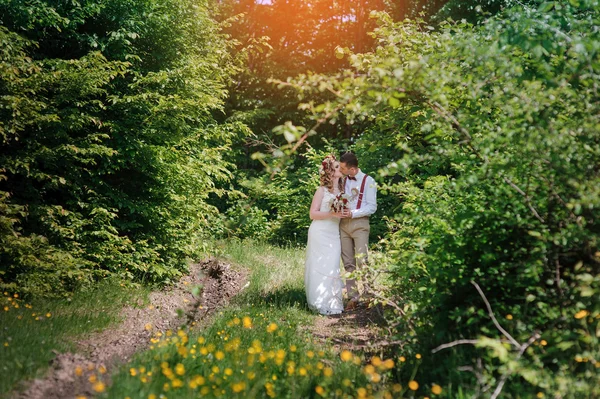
<point x="327" y="164"/>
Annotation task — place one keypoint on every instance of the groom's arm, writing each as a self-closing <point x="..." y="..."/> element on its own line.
<point x="369" y="201"/>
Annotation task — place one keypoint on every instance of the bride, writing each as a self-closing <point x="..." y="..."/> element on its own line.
<point x="322" y="268"/>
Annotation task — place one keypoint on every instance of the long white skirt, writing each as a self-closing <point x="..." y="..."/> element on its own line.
<point x="322" y="268"/>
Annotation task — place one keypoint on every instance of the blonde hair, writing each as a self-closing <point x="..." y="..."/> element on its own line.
<point x="326" y="172"/>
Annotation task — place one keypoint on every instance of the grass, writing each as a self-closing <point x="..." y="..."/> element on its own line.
<point x="31" y="332"/>
<point x="258" y="347"/>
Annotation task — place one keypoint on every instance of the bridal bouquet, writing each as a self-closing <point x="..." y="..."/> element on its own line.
<point x="339" y="203"/>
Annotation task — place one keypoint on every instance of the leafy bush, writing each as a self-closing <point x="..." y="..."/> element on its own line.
<point x="109" y="146"/>
<point x="494" y="134"/>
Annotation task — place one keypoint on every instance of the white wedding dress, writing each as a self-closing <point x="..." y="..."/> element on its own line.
<point x="322" y="268"/>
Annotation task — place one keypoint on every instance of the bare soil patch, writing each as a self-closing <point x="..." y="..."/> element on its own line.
<point x="361" y="329"/>
<point x="170" y="308"/>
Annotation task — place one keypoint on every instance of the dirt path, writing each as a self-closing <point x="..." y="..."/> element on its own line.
<point x="69" y="373"/>
<point x="361" y="329"/>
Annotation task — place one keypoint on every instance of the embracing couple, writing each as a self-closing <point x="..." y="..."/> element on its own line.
<point x="340" y="213"/>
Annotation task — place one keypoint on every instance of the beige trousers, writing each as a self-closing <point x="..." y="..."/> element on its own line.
<point x="354" y="234"/>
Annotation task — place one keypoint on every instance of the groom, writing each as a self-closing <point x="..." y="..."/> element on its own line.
<point x="354" y="227"/>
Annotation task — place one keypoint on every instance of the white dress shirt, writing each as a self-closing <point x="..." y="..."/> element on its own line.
<point x="368" y="205"/>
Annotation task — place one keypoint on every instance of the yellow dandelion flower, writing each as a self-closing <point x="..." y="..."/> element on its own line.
<point x="238" y="387"/>
<point x="346" y="382"/>
<point x="6" y="344"/>
<point x="201" y="340"/>
<point x="251" y="375"/>
<point x="361" y="392"/>
<point x="99" y="386"/>
<point x="539" y="395"/>
<point x="418" y="355"/>
<point x="152" y="396"/>
<point x="310" y="354"/>
<point x="48" y="315"/>
<point x="293" y="348"/>
<point x="327" y="371"/>
<point x="319" y="389"/>
<point x="369" y="369"/>
<point x="148" y="327"/>
<point x="215" y="369"/>
<point x="220" y="355"/>
<point x="180" y="369"/>
<point x="436" y="389"/>
<point x="302" y="371"/>
<point x="91" y="366"/>
<point x="271" y="328"/>
<point x="543" y="342"/>
<point x="396" y="387"/>
<point x="375" y="378"/>
<point x="413" y="385"/>
<point x="92" y="378"/>
<point x="376" y="361"/>
<point x="389" y="364"/>
<point x="228" y="371"/>
<point x="78" y="371"/>
<point x="6" y="308"/>
<point x="509" y="317"/>
<point x="402" y="359"/>
<point x="80" y="397"/>
<point x="177" y="383"/>
<point x="346" y="355"/>
<point x="578" y="359"/>
<point x="581" y="314"/>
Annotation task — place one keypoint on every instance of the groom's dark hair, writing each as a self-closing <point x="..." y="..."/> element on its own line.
<point x="349" y="159"/>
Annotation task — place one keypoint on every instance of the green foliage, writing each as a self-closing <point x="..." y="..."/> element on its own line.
<point x="109" y="146"/>
<point x="491" y="137"/>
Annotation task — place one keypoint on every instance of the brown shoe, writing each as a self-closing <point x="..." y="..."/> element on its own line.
<point x="352" y="304"/>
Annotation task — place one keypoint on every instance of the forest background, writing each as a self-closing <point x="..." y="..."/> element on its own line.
<point x="135" y="132"/>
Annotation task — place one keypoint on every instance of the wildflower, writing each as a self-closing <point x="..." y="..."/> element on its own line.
<point x="346" y="355"/>
<point x="272" y="327"/>
<point x="48" y="315"/>
<point x="328" y="372"/>
<point x="148" y="326"/>
<point x="539" y="395"/>
<point x="293" y="348"/>
<point x="418" y="356"/>
<point x="543" y="342"/>
<point x="413" y="385"/>
<point x="78" y="371"/>
<point x="93" y="379"/>
<point x="219" y="355"/>
<point x="396" y="387"/>
<point x="376" y="361"/>
<point x="228" y="371"/>
<point x="99" y="386"/>
<point x="319" y="389"/>
<point x="362" y="392"/>
<point x="389" y="364"/>
<point x="310" y="354"/>
<point x="369" y="369"/>
<point x="509" y="317"/>
<point x="152" y="396"/>
<point x="402" y="358"/>
<point x="436" y="389"/>
<point x="581" y="314"/>
<point x="180" y="369"/>
<point x="177" y="383"/>
<point x="375" y="377"/>
<point x="238" y="387"/>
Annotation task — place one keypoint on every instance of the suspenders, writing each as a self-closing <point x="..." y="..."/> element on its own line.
<point x="362" y="190"/>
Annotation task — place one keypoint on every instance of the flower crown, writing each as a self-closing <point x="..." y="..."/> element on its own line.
<point x="327" y="164"/>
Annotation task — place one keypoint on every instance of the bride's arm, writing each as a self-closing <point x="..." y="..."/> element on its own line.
<point x="315" y="212"/>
